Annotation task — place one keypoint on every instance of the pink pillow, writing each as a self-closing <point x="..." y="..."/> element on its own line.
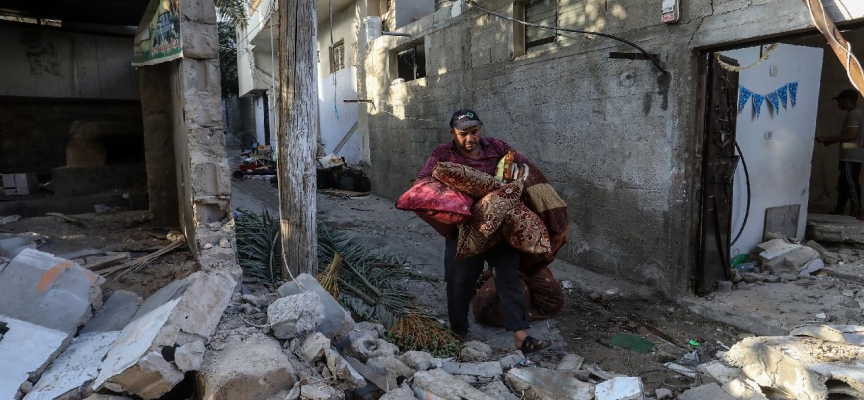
<point x="430" y="195"/>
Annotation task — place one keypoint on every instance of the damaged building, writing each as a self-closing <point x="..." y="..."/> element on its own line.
<point x="110" y="112"/>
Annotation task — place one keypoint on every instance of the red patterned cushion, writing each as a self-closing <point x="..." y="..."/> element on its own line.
<point x="430" y="195"/>
<point x="525" y="231"/>
<point x="481" y="232"/>
<point x="466" y="179"/>
<point x="447" y="224"/>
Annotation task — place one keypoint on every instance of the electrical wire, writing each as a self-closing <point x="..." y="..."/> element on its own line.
<point x="557" y="29"/>
<point x="747" y="180"/>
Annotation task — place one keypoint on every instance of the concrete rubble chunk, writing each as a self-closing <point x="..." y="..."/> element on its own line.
<point x="799" y="258"/>
<point x="295" y="315"/>
<point x="347" y="377"/>
<point x="511" y="360"/>
<point x="802" y="367"/>
<point x="475" y="351"/>
<point x="490" y="369"/>
<point x="849" y="334"/>
<point x="570" y="363"/>
<point x="391" y="369"/>
<point x="371" y="326"/>
<point x="364" y="349"/>
<point x="663" y="394"/>
<point x="775" y="248"/>
<point x="401" y="393"/>
<point x="337" y="321"/>
<point x="319" y="391"/>
<point x="420" y="360"/>
<point x="542" y="384"/>
<point x="621" y="388"/>
<point x="182" y="312"/>
<point x="497" y="390"/>
<point x="360" y="334"/>
<point x="190" y="356"/>
<point x="828" y="256"/>
<point x="43" y="302"/>
<point x="834" y="229"/>
<point x="437" y="384"/>
<point x="814" y="266"/>
<point x="253" y="369"/>
<point x="98" y="396"/>
<point x="711" y="391"/>
<point x="312" y="348"/>
<point x="377" y="379"/>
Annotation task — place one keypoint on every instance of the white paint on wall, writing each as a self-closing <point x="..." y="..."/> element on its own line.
<point x="334" y="129"/>
<point x="779" y="161"/>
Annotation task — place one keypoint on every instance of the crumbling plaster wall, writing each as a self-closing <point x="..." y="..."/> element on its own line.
<point x="616" y="138"/>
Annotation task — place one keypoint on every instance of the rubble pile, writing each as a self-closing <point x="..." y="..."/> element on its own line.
<point x="779" y="261"/>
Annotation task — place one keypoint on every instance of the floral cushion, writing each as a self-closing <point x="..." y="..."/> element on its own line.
<point x="429" y="194"/>
<point x="439" y="205"/>
<point x="482" y="231"/>
<point x="466" y="179"/>
<point x="525" y="231"/>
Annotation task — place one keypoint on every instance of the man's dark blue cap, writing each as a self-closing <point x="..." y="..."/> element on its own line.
<point x="464" y="119"/>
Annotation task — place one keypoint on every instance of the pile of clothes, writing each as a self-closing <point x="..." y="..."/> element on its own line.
<point x="517" y="205"/>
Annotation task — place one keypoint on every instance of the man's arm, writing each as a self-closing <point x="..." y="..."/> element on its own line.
<point x="437" y="156"/>
<point x="849" y="134"/>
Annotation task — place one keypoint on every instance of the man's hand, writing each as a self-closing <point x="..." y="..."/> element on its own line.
<point x="826" y="141"/>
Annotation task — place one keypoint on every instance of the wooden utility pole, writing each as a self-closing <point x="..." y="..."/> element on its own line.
<point x="298" y="129"/>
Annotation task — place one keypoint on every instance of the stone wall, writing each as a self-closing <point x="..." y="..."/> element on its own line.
<point x="616" y="138"/>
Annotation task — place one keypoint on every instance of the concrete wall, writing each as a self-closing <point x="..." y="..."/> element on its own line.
<point x="778" y="164"/>
<point x="34" y="131"/>
<point x="43" y="62"/>
<point x="617" y="138"/>
<point x="334" y="124"/>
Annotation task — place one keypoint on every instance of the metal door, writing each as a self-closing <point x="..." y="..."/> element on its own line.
<point x="718" y="170"/>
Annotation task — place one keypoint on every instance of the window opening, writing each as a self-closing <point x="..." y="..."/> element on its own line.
<point x="337" y="56"/>
<point x="411" y="62"/>
<point x="540" y="12"/>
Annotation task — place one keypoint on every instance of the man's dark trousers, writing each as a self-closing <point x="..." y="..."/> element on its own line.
<point x="849" y="188"/>
<point x="461" y="277"/>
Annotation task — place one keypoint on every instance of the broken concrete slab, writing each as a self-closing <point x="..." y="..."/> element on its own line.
<point x="497" y="390"/>
<point x="295" y="315"/>
<point x="775" y="248"/>
<point x="318" y="391"/>
<point x="663" y="394"/>
<point x="814" y="266"/>
<point x="45" y="290"/>
<point x="437" y="384"/>
<point x="621" y="388"/>
<point x="850" y="334"/>
<point x="802" y="367"/>
<point x="182" y="312"/>
<point x="337" y="321"/>
<point x="834" y="229"/>
<point x="26" y="349"/>
<point x="347" y="377"/>
<point x="377" y="379"/>
<point x="253" y="369"/>
<point x="711" y="391"/>
<point x="475" y="351"/>
<point x="78" y="365"/>
<point x="115" y="313"/>
<point x="313" y="346"/>
<point x="490" y="369"/>
<point x="542" y="383"/>
<point x="74" y="368"/>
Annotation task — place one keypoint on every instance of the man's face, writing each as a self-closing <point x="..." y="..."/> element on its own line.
<point x="467" y="139"/>
<point x="845" y="104"/>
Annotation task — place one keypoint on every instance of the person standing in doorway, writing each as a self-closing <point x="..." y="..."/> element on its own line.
<point x="851" y="141"/>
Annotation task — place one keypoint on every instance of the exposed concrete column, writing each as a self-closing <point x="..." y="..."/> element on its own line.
<point x="158" y="144"/>
<point x="203" y="181"/>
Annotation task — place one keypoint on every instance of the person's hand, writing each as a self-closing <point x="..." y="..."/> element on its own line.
<point x="823" y="140"/>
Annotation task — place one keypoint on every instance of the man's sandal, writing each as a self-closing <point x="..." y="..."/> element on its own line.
<point x="530" y="344"/>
